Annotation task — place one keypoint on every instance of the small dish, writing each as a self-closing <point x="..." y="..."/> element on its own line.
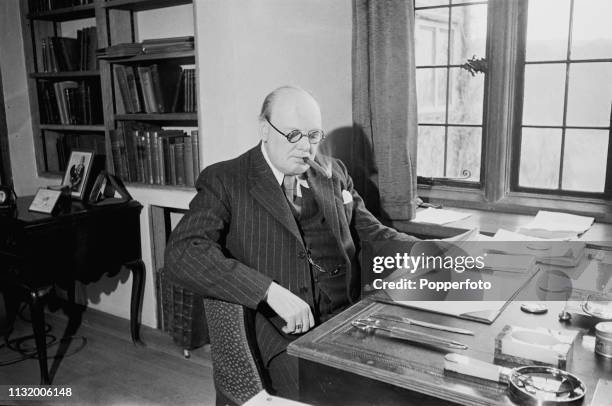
<point x="598" y="306"/>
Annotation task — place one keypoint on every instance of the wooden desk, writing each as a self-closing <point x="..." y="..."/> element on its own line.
<point x="341" y="365"/>
<point x="38" y="251"/>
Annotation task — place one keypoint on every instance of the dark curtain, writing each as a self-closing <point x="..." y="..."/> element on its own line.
<point x="384" y="106"/>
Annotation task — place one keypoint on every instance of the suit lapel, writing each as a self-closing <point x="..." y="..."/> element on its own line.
<point x="323" y="191"/>
<point x="266" y="190"/>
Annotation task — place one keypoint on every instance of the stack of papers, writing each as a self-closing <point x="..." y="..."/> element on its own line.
<point x="508" y="263"/>
<point x="551" y="252"/>
<point x="439" y="216"/>
<point x="548" y="224"/>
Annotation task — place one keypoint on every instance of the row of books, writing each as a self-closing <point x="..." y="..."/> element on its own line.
<point x="149" y="46"/>
<point x="155" y="156"/>
<point x="39" y="6"/>
<point x="63" y="54"/>
<point x="69" y="103"/>
<point x="157" y="88"/>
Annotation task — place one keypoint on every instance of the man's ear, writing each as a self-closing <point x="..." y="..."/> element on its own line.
<point x="264" y="131"/>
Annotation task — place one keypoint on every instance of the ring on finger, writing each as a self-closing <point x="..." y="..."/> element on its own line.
<point x="298" y="327"/>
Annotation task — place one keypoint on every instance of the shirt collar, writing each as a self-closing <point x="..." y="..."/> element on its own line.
<point x="277" y="174"/>
<point x="302" y="182"/>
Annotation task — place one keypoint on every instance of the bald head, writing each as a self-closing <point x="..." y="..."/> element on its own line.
<point x="289" y="108"/>
<point x="288" y="96"/>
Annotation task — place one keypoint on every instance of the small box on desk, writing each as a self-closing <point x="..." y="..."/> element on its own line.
<point x="519" y="346"/>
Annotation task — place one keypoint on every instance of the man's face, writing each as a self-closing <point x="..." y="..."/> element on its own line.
<point x="295" y="110"/>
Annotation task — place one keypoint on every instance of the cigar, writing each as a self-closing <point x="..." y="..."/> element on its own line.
<point x="318" y="168"/>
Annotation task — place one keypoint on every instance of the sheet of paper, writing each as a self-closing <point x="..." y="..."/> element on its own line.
<point x="549" y="224"/>
<point x="263" y="398"/>
<point x="483" y="311"/>
<point x="439" y="216"/>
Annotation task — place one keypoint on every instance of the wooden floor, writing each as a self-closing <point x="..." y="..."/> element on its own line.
<point x="103" y="367"/>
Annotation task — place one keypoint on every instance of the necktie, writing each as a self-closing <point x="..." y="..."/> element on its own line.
<point x="290" y="189"/>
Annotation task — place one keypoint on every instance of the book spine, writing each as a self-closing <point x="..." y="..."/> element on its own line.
<point x="45" y="67"/>
<point x="195" y="140"/>
<point x="176" y="107"/>
<point x="148" y="158"/>
<point x="124" y="88"/>
<point x="52" y="58"/>
<point x="161" y="161"/>
<point x="179" y="156"/>
<point x="139" y="166"/>
<point x="188" y="161"/>
<point x="155" y="168"/>
<point x="160" y="101"/>
<point x="92" y="42"/>
<point x="172" y="163"/>
<point x="133" y="89"/>
<point x="147" y="89"/>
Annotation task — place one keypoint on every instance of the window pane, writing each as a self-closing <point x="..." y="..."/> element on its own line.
<point x="540" y="156"/>
<point x="433" y="24"/>
<point x="469" y="32"/>
<point x="425" y="45"/>
<point x="431" y="95"/>
<point x="430" y="159"/>
<point x="544" y="94"/>
<point x="427" y="3"/>
<point x="466" y="97"/>
<point x="584" y="161"/>
<point x="591" y="36"/>
<point x="547" y="30"/>
<point x="590" y="94"/>
<point x="464" y="145"/>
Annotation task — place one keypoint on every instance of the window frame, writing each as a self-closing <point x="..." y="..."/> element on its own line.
<point x="505" y="49"/>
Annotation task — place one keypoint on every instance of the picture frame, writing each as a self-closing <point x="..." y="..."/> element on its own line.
<point x="45" y="201"/>
<point x="78" y="171"/>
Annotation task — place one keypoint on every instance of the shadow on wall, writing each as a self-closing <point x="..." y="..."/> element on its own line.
<point x="106" y="285"/>
<point x="352" y="146"/>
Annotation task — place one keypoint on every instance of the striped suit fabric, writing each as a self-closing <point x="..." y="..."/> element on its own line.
<point x="240" y="235"/>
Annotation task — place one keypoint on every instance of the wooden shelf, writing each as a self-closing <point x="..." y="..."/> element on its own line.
<point x="163" y="117"/>
<point x="66" y="75"/>
<point x="63" y="127"/>
<point x="66" y="13"/>
<point x="140" y="5"/>
<point x="155" y="57"/>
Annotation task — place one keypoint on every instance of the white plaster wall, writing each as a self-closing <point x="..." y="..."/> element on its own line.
<point x="246" y="48"/>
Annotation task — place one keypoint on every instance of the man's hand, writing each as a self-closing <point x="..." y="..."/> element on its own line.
<point x="291" y="308"/>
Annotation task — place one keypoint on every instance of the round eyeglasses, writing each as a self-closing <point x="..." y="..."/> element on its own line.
<point x="314" y="136"/>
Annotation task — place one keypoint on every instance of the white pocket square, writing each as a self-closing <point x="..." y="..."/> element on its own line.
<point x="346" y="197"/>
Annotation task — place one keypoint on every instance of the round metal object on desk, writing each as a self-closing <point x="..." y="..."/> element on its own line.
<point x="534" y="308"/>
<point x="603" y="339"/>
<point x="545" y="386"/>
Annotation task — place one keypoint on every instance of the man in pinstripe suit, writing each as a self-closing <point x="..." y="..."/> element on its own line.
<point x="273" y="231"/>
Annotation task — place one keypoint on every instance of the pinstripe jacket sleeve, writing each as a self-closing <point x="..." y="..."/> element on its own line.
<point x="195" y="254"/>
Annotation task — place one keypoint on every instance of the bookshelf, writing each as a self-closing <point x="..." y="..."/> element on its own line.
<point x="145" y="103"/>
<point x="102" y="111"/>
<point x="63" y="80"/>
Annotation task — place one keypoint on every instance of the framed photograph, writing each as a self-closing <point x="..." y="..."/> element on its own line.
<point x="77" y="173"/>
<point x="45" y="201"/>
